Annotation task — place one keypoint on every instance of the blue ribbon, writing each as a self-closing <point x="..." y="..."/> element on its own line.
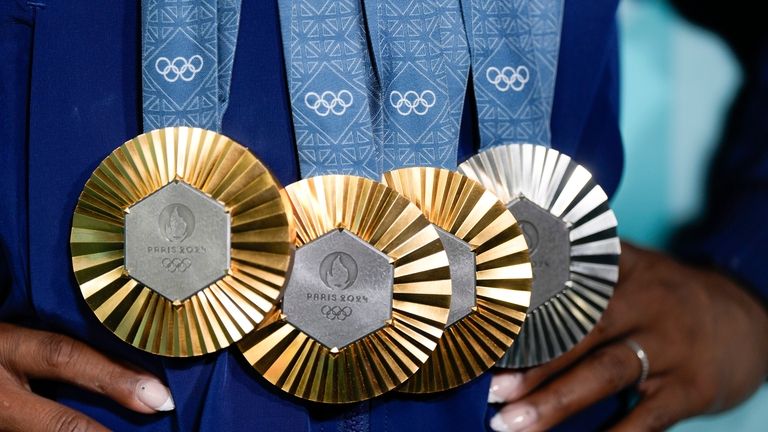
<point x="188" y="49"/>
<point x="333" y="87"/>
<point x="423" y="64"/>
<point x="514" y="46"/>
<point x="353" y="118"/>
<point x="546" y="27"/>
<point x="355" y="115"/>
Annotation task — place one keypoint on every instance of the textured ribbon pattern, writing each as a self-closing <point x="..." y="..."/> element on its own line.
<point x="546" y="26"/>
<point x="456" y="50"/>
<point x="228" y="22"/>
<point x="363" y="109"/>
<point x="423" y="66"/>
<point x="188" y="49"/>
<point x="333" y="87"/>
<point x="506" y="77"/>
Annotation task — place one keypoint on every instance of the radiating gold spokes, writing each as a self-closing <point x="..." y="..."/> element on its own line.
<point x="463" y="208"/>
<point x="292" y="360"/>
<point x="261" y="242"/>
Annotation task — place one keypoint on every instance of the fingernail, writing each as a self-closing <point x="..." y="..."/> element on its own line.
<point x="154" y="395"/>
<point x="493" y="397"/>
<point x="505" y="387"/>
<point x="498" y="425"/>
<point x="514" y="419"/>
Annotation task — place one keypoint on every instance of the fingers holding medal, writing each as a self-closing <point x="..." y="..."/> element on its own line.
<point x="182" y="243"/>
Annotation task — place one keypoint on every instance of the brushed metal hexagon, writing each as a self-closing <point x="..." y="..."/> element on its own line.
<point x="340" y="289"/>
<point x="177" y="241"/>
<point x="463" y="268"/>
<point x="549" y="246"/>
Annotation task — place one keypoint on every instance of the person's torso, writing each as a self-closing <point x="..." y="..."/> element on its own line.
<point x="84" y="99"/>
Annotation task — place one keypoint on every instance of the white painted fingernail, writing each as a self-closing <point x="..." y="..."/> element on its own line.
<point x="505" y="387"/>
<point x="493" y="397"/>
<point x="518" y="418"/>
<point x="498" y="425"/>
<point x="154" y="395"/>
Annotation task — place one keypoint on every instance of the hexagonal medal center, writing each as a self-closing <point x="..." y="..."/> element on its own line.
<point x="177" y="241"/>
<point x="463" y="267"/>
<point x="340" y="289"/>
<point x="549" y="246"/>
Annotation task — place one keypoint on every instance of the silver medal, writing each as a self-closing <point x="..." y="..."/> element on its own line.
<point x="571" y="233"/>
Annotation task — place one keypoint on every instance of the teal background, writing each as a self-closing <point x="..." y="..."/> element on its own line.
<point x="677" y="84"/>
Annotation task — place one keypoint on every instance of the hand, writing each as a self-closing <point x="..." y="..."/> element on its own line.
<point x="705" y="338"/>
<point x="26" y="354"/>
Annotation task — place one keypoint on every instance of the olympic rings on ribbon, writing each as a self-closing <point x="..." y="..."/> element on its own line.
<point x="174" y="265"/>
<point x="329" y="102"/>
<point x="508" y="77"/>
<point x="180" y="67"/>
<point x="336" y="313"/>
<point x="412" y="102"/>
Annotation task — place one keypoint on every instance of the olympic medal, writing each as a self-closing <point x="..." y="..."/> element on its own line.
<point x="571" y="233"/>
<point x="367" y="299"/>
<point x="490" y="274"/>
<point x="181" y="242"/>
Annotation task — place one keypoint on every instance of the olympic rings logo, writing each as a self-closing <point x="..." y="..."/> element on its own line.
<point x="174" y="265"/>
<point x="412" y="102"/>
<point x="180" y="67"/>
<point x="508" y="77"/>
<point x="329" y="102"/>
<point x="336" y="313"/>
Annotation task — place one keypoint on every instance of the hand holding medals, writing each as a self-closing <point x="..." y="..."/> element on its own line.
<point x="339" y="288"/>
<point x="181" y="243"/>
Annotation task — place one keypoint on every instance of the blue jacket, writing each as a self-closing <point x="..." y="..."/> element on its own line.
<point x="70" y="92"/>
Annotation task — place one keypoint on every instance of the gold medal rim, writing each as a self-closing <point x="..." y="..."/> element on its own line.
<point x="464" y="208"/>
<point x="381" y="361"/>
<point x="556" y="183"/>
<point x="261" y="250"/>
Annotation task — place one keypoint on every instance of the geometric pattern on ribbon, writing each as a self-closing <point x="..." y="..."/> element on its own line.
<point x="506" y="76"/>
<point x="456" y="49"/>
<point x="417" y="126"/>
<point x="546" y="26"/>
<point x="332" y="86"/>
<point x="228" y="22"/>
<point x="179" y="58"/>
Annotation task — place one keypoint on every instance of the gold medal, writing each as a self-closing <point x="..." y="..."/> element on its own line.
<point x="571" y="232"/>
<point x="181" y="242"/>
<point x="490" y="273"/>
<point x="367" y="299"/>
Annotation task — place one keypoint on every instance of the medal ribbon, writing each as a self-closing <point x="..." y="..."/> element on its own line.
<point x="352" y="118"/>
<point x="546" y="27"/>
<point x="332" y="86"/>
<point x="423" y="63"/>
<point x="514" y="46"/>
<point x="188" y="49"/>
<point x="349" y="119"/>
<point x="360" y="110"/>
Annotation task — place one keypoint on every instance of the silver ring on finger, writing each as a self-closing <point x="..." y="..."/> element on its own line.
<point x="645" y="364"/>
